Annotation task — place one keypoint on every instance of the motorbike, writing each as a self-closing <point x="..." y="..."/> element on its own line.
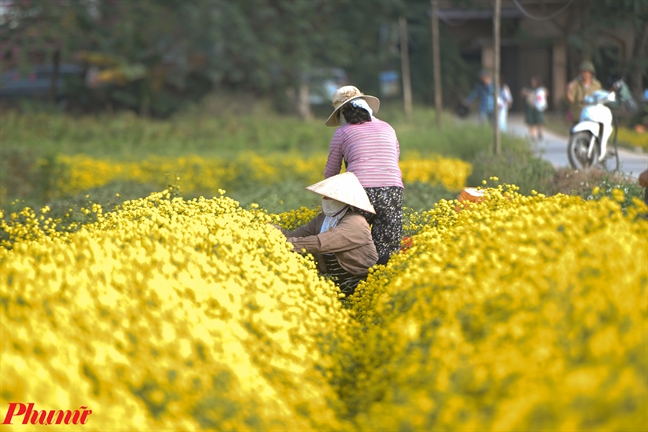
<point x="588" y="139"/>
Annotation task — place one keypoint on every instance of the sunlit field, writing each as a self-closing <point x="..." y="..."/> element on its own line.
<point x="522" y="312"/>
<point x="153" y="154"/>
<point x="185" y="309"/>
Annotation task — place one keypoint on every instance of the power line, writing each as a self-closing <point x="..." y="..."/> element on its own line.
<point x="448" y="22"/>
<point x="537" y="18"/>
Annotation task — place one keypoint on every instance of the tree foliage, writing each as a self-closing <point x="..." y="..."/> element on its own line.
<point x="588" y="29"/>
<point x="152" y="55"/>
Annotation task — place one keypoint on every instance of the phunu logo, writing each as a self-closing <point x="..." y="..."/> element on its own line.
<point x="44" y="417"/>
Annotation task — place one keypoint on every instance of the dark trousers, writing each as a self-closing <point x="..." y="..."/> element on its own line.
<point x="387" y="223"/>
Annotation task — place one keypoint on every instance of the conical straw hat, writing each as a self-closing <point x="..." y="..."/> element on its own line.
<point x="345" y="188"/>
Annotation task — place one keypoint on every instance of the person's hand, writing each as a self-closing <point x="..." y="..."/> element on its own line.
<point x="463" y="103"/>
<point x="643" y="179"/>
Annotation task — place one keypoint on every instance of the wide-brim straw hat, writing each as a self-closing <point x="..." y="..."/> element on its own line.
<point x="343" y="96"/>
<point x="345" y="188"/>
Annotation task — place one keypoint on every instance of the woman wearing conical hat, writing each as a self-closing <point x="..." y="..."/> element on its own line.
<point x="339" y="237"/>
<point x="369" y="149"/>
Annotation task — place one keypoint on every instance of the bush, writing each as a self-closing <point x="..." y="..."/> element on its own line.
<point x="516" y="165"/>
<point x="596" y="184"/>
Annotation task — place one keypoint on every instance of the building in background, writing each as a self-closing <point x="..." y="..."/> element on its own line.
<point x="534" y="45"/>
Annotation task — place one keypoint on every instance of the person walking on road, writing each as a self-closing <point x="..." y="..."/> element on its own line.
<point x="504" y="103"/>
<point x="584" y="85"/>
<point x="485" y="92"/>
<point x="369" y="148"/>
<point x="535" y="98"/>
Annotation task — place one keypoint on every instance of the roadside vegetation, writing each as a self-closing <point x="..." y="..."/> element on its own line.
<point x="240" y="144"/>
<point x="47" y="157"/>
<point x="632" y="134"/>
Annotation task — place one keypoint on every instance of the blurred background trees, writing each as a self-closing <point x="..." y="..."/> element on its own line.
<point x="154" y="56"/>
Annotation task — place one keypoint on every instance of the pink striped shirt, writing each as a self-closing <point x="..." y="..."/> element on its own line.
<point x="371" y="152"/>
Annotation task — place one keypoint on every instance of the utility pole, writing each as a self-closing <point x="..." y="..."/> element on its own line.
<point x="436" y="58"/>
<point x="405" y="68"/>
<point x="56" y="62"/>
<point x="496" y="74"/>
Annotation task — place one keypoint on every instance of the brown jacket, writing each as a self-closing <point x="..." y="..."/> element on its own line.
<point x="350" y="241"/>
<point x="576" y="92"/>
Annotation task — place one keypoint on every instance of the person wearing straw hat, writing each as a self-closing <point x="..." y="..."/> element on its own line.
<point x="339" y="237"/>
<point x="584" y="85"/>
<point x="369" y="148"/>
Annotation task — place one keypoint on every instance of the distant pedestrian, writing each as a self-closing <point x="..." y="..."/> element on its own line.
<point x="535" y="99"/>
<point x="484" y="91"/>
<point x="584" y="85"/>
<point x="504" y="103"/>
<point x="368" y="147"/>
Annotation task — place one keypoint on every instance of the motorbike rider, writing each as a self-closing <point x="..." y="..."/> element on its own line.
<point x="584" y="85"/>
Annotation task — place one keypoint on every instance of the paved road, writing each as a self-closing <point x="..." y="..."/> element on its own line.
<point x="554" y="149"/>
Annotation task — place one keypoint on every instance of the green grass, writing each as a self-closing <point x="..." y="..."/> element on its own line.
<point x="218" y="126"/>
<point x="557" y="123"/>
<point x="223" y="127"/>
<point x="516" y="165"/>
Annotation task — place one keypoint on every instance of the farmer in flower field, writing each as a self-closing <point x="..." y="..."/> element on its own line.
<point x="339" y="237"/>
<point x="369" y="149"/>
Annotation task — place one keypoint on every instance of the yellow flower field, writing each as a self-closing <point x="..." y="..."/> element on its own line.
<point x="80" y="172"/>
<point x="523" y="313"/>
<point x="170" y="314"/>
<point x="633" y="138"/>
<point x="519" y="313"/>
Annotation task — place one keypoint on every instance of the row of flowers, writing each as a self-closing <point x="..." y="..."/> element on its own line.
<point x="633" y="138"/>
<point x="206" y="175"/>
<point x="517" y="313"/>
<point x="521" y="313"/>
<point x="168" y="314"/>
